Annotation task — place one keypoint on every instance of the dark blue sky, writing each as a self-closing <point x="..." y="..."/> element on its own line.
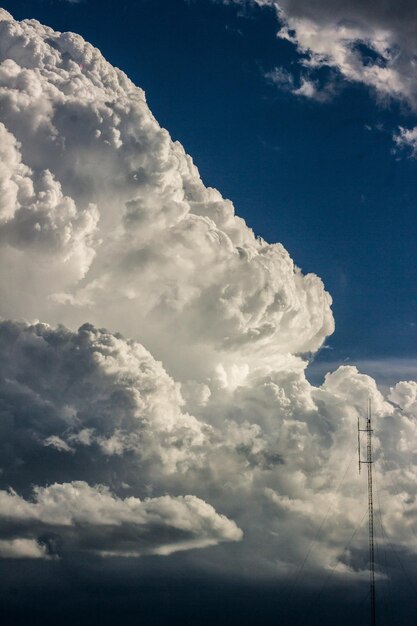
<point x="321" y="178"/>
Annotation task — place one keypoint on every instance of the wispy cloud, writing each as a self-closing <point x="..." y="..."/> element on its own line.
<point x="371" y="45"/>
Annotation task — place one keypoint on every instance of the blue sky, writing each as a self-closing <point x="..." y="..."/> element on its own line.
<point x="320" y="177"/>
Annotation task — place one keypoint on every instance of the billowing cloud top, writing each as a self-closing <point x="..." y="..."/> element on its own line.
<point x="95" y="191"/>
<point x="104" y="221"/>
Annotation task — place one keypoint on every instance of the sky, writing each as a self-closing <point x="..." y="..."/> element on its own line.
<point x="173" y="444"/>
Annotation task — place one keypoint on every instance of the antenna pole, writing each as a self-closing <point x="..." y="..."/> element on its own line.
<point x="369" y="463"/>
<point x="370" y="514"/>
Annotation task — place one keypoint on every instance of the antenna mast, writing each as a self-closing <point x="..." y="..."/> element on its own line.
<point x="369" y="463"/>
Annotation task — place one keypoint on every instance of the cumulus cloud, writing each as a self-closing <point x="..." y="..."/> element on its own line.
<point x="142" y="442"/>
<point x="404" y="394"/>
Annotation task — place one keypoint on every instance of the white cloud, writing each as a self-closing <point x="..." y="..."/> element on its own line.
<point x="404" y="394"/>
<point x="386" y="371"/>
<point x="5" y="15"/>
<point x="173" y="265"/>
<point x="36" y="216"/>
<point x="406" y="138"/>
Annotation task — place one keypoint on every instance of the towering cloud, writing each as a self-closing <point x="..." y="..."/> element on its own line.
<point x="168" y="258"/>
<point x="196" y="426"/>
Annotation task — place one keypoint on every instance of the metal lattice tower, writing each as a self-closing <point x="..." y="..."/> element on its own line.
<point x="369" y="462"/>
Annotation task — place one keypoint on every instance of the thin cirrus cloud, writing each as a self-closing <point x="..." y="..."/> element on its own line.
<point x="190" y="421"/>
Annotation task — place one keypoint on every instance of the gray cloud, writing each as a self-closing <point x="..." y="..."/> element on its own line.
<point x="74" y="517"/>
<point x="89" y="393"/>
<point x="87" y="408"/>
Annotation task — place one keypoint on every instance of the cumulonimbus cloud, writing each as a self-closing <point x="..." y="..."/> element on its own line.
<point x="201" y="408"/>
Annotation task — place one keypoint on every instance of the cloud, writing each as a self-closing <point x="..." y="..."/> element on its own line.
<point x="146" y="247"/>
<point x="200" y="409"/>
<point x="304" y="87"/>
<point x="404" y="394"/>
<point x="21" y="549"/>
<point x="74" y="516"/>
<point x="373" y="44"/>
<point x="91" y="408"/>
<point x="34" y="214"/>
<point x="73" y="392"/>
<point x="5" y="15"/>
<point x="406" y="139"/>
<point x="386" y="371"/>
